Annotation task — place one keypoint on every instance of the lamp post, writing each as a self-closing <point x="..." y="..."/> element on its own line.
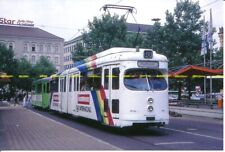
<point x="156" y="19"/>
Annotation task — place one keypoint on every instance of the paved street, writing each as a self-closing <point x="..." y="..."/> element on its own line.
<point x="23" y="129"/>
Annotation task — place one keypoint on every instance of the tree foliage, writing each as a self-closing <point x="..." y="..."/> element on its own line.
<point x="24" y="77"/>
<point x="104" y="33"/>
<point x="43" y="67"/>
<point x="155" y="38"/>
<point x="79" y="53"/>
<point x="180" y="38"/>
<point x="22" y="73"/>
<point x="8" y="65"/>
<point x="7" y="60"/>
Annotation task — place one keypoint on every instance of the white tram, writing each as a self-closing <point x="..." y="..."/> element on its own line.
<point x="118" y="87"/>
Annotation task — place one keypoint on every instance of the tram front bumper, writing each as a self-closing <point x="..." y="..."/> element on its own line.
<point x="134" y="119"/>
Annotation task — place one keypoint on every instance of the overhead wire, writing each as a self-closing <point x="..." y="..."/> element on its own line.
<point x="118" y="2"/>
<point x="211" y="3"/>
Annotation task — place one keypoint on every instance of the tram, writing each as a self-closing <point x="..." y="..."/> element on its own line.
<point x="119" y="87"/>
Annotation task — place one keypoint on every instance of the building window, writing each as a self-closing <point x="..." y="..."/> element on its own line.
<point x="25" y="47"/>
<point x="41" y="48"/>
<point x="56" y="49"/>
<point x="33" y="49"/>
<point x="48" y="48"/>
<point x="32" y="59"/>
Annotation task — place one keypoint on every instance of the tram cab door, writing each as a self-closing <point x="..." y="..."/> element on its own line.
<point x="63" y="94"/>
<point x="111" y="78"/>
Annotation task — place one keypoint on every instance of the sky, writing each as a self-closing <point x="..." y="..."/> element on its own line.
<point x="67" y="18"/>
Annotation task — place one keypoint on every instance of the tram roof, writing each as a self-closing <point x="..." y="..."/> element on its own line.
<point x="43" y="80"/>
<point x="111" y="51"/>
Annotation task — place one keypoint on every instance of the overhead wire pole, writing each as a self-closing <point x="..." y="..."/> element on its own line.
<point x="210" y="39"/>
<point x="203" y="52"/>
<point x="130" y="9"/>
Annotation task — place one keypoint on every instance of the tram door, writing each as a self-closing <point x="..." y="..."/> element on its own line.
<point x="111" y="78"/>
<point x="64" y="89"/>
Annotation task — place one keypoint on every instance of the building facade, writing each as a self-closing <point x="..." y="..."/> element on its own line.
<point x="69" y="46"/>
<point x="32" y="43"/>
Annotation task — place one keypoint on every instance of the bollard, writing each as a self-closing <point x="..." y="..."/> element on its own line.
<point x="220" y="103"/>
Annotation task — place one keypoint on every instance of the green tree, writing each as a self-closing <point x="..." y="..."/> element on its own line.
<point x="185" y="23"/>
<point x="24" y="76"/>
<point x="155" y="38"/>
<point x="104" y="33"/>
<point x="134" y="39"/>
<point x="180" y="37"/>
<point x="43" y="68"/>
<point x="79" y="53"/>
<point x="7" y="60"/>
<point x="8" y="65"/>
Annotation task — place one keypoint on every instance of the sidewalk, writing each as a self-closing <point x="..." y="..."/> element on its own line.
<point x="4" y="104"/>
<point x="201" y="111"/>
<point x="23" y="129"/>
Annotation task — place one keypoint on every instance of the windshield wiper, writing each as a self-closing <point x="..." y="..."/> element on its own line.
<point x="148" y="83"/>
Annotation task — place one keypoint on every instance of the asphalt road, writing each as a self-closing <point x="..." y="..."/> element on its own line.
<point x="47" y="130"/>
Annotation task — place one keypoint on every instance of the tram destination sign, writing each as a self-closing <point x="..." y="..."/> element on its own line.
<point x="16" y="22"/>
<point x="148" y="64"/>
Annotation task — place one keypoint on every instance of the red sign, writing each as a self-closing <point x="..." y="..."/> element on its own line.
<point x="55" y="98"/>
<point x="84" y="99"/>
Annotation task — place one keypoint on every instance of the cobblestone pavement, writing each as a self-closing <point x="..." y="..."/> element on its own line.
<point x="22" y="129"/>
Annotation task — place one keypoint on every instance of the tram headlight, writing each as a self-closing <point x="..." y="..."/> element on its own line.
<point x="150" y="100"/>
<point x="150" y="108"/>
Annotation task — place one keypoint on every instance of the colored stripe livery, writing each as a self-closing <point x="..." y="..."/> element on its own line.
<point x="102" y="110"/>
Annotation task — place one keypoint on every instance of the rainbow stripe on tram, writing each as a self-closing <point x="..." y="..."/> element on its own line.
<point x="99" y="97"/>
<point x="86" y="64"/>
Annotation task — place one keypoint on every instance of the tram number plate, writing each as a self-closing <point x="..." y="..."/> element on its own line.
<point x="150" y="118"/>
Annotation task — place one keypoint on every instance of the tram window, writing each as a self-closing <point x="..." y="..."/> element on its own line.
<point x="61" y="85"/>
<point x="106" y="79"/>
<point x="70" y="83"/>
<point x="54" y="85"/>
<point x="115" y="78"/>
<point x="144" y="79"/>
<point x="74" y="83"/>
<point x="91" y="80"/>
<point x="44" y="89"/>
<point x="95" y="80"/>
<point x="64" y="87"/>
<point x="39" y="88"/>
<point x="47" y="89"/>
<point x="83" y="81"/>
<point x="77" y="78"/>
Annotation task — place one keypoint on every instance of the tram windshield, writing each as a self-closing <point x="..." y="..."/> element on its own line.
<point x="145" y="79"/>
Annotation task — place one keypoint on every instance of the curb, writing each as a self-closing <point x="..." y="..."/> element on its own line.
<point x="211" y="113"/>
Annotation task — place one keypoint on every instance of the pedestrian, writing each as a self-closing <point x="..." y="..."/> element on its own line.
<point x="25" y="101"/>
